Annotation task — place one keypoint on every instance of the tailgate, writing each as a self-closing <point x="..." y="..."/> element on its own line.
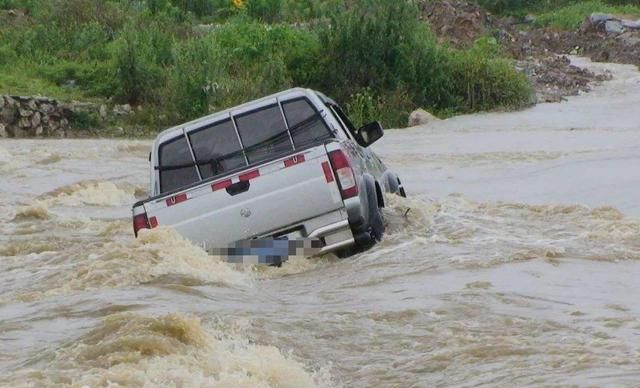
<point x="253" y="202"/>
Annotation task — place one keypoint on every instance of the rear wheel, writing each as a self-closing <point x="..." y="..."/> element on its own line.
<point x="370" y="233"/>
<point x="401" y="192"/>
<point x="376" y="225"/>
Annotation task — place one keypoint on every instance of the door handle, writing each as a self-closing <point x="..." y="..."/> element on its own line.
<point x="238" y="188"/>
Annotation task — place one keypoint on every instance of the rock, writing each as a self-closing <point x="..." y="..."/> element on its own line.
<point x="70" y="84"/>
<point x="24" y="122"/>
<point x="599" y="18"/>
<point x="20" y="133"/>
<point x="8" y="114"/>
<point x="629" y="39"/>
<point x="421" y="117"/>
<point x="103" y="111"/>
<point x="631" y="24"/>
<point x="35" y="119"/>
<point x="46" y="108"/>
<point x="25" y="116"/>
<point x="613" y="27"/>
<point x="10" y="101"/>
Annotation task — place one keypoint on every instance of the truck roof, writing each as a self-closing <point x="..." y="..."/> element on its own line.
<point x="237" y="107"/>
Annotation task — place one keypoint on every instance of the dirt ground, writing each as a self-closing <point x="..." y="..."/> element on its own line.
<point x="541" y="53"/>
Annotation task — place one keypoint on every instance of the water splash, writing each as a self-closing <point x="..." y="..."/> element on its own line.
<point x="93" y="193"/>
<point x="168" y="350"/>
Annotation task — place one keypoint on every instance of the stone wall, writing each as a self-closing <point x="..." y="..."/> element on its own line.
<point x="22" y="116"/>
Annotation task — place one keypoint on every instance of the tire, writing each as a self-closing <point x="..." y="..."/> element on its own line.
<point x="376" y="224"/>
<point x="373" y="230"/>
<point x="401" y="191"/>
<point x="395" y="185"/>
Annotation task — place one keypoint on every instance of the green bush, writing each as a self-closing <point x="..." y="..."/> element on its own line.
<point x="572" y="16"/>
<point x="268" y="11"/>
<point x="7" y="54"/>
<point x="192" y="80"/>
<point x="197" y="7"/>
<point x="85" y="120"/>
<point x="366" y="47"/>
<point x="137" y="65"/>
<point x="157" y="6"/>
<point x="237" y="62"/>
<point x="383" y="48"/>
<point x="568" y="20"/>
<point x="28" y="5"/>
<point x="481" y="82"/>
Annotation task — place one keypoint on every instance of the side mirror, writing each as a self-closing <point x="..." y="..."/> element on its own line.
<point x="370" y="133"/>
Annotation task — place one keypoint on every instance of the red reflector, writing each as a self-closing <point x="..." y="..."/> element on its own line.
<point x="176" y="199"/>
<point x="221" y="185"/>
<point x="153" y="222"/>
<point x="328" y="175"/>
<point x="346" y="177"/>
<point x="140" y="222"/>
<point x="339" y="159"/>
<point x="250" y="175"/>
<point x="292" y="161"/>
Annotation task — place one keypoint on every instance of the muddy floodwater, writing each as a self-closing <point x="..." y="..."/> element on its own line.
<point x="515" y="262"/>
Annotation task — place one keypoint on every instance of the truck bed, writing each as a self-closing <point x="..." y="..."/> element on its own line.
<point x="275" y="197"/>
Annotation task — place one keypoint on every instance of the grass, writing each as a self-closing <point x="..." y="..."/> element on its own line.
<point x="376" y="57"/>
<point x="572" y="16"/>
<point x="22" y="80"/>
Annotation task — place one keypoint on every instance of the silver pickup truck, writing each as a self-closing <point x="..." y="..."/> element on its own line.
<point x="290" y="166"/>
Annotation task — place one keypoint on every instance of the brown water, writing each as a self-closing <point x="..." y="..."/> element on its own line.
<point x="517" y="264"/>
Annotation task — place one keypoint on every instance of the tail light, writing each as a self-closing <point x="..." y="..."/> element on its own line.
<point x="344" y="172"/>
<point x="140" y="221"/>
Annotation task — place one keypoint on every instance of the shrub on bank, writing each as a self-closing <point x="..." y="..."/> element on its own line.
<point x="523" y="7"/>
<point x="383" y="49"/>
<point x="376" y="57"/>
<point x="571" y="16"/>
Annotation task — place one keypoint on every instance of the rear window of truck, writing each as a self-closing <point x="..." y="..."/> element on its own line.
<point x="305" y="124"/>
<point x="217" y="149"/>
<point x="263" y="134"/>
<point x="177" y="167"/>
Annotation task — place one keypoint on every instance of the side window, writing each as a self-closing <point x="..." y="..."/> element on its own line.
<point x="217" y="149"/>
<point x="305" y="124"/>
<point x="343" y="126"/>
<point x="263" y="133"/>
<point x="345" y="120"/>
<point x="176" y="165"/>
